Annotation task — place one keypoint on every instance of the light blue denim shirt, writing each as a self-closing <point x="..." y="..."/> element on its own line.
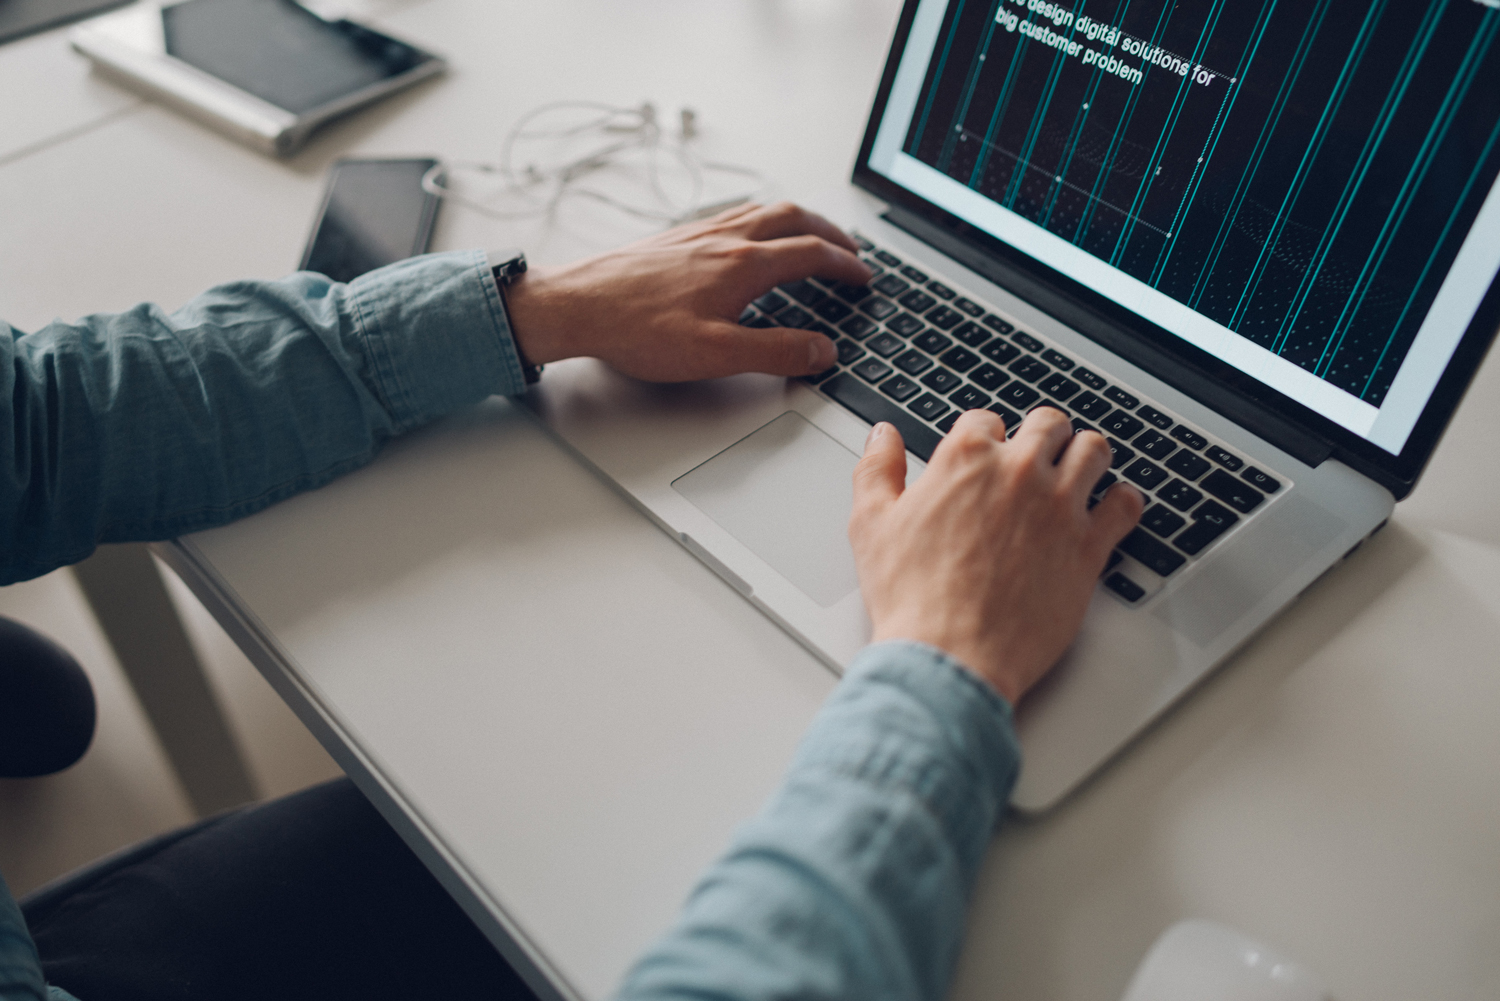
<point x="854" y="879"/>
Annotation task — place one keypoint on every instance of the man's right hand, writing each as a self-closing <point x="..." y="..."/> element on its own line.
<point x="992" y="555"/>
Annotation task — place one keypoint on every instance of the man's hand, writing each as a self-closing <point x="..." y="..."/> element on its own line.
<point x="993" y="553"/>
<point x="665" y="308"/>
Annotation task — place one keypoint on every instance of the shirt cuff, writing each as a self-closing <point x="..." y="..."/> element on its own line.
<point x="437" y="332"/>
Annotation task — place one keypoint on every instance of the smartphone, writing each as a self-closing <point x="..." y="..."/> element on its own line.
<point x="374" y="213"/>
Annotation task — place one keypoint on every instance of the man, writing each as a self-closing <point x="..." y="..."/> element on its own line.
<point x="853" y="880"/>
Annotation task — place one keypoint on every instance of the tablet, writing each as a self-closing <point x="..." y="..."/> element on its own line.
<point x="264" y="72"/>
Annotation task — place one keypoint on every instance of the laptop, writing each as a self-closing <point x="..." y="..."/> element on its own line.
<point x="1254" y="245"/>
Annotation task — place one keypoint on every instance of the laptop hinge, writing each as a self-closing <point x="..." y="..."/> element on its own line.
<point x="1255" y="417"/>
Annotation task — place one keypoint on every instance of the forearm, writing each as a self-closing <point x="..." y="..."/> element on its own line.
<point x="144" y="425"/>
<point x="854" y="879"/>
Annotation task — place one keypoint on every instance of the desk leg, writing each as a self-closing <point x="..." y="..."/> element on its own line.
<point x="131" y="603"/>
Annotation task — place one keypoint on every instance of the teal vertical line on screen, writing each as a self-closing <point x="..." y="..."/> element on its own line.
<point x="1314" y="147"/>
<point x="1121" y="127"/>
<point x="1174" y="115"/>
<point x="1263" y="140"/>
<point x="1002" y="104"/>
<point x="1038" y="118"/>
<point x="1474" y="177"/>
<point x="1374" y="140"/>
<point x="916" y="138"/>
<point x="1415" y="177"/>
<point x="1190" y="194"/>
<point x="971" y="83"/>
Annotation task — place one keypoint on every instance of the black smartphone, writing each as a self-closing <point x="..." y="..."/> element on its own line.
<point x="375" y="212"/>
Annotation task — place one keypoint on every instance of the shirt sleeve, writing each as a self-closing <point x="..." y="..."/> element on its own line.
<point x="146" y="425"/>
<point x="854" y="880"/>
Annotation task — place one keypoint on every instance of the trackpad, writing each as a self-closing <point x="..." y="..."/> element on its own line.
<point x="784" y="492"/>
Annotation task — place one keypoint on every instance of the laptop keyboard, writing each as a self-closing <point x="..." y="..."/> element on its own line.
<point x="917" y="352"/>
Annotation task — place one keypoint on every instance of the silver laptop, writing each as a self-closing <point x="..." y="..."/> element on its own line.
<point x="1255" y="245"/>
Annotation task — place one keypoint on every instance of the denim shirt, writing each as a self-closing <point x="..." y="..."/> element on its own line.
<point x="852" y="881"/>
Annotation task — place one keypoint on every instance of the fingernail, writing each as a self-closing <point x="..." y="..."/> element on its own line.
<point x="875" y="432"/>
<point x="820" y="353"/>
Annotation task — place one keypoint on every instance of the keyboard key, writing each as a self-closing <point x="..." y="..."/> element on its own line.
<point x="795" y="316"/>
<point x="1179" y="495"/>
<point x="771" y="302"/>
<point x="1105" y="482"/>
<point x="1209" y="522"/>
<point x="1187" y="465"/>
<point x="1260" y="480"/>
<point x="1228" y="460"/>
<point x="946" y="424"/>
<point x="914" y="274"/>
<point x="885" y="344"/>
<point x="1059" y="386"/>
<point x="1090" y="379"/>
<point x="1026" y="341"/>
<point x="996" y="324"/>
<point x="1091" y="406"/>
<point x="971" y="334"/>
<point x="1115" y="556"/>
<point x="913" y="362"/>
<point x="1018" y="395"/>
<point x="818" y="377"/>
<point x="851" y="293"/>
<point x="928" y="407"/>
<point x="941" y="381"/>
<point x="932" y="342"/>
<point x="1145" y="473"/>
<point x="1010" y="417"/>
<point x="858" y="327"/>
<point x="969" y="398"/>
<point x="968" y="306"/>
<point x="999" y="352"/>
<point x="1028" y="368"/>
<point x="940" y="290"/>
<point x="889" y="259"/>
<point x="805" y="292"/>
<point x="746" y="315"/>
<point x="918" y="301"/>
<point x="1121" y="454"/>
<point x="1124" y="587"/>
<point x="871" y="370"/>
<point x="1155" y="417"/>
<point x="832" y="310"/>
<point x="761" y="321"/>
<point x="1189" y="437"/>
<point x="1079" y="424"/>
<point x="1158" y="446"/>
<point x="904" y="324"/>
<point x="900" y="388"/>
<point x="861" y="242"/>
<point x="1236" y="493"/>
<point x="867" y="403"/>
<point x="849" y="352"/>
<point x="1162" y="520"/>
<point x="960" y="359"/>
<point x="988" y="376"/>
<point x="890" y="285"/>
<point x="1057" y="360"/>
<point x="945" y="318"/>
<point x="1121" y="398"/>
<point x="1155" y="555"/>
<point x="1122" y="424"/>
<point x="878" y="307"/>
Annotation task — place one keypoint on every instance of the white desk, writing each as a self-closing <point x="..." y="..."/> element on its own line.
<point x="572" y="714"/>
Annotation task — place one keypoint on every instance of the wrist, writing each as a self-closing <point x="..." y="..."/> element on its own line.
<point x="538" y="339"/>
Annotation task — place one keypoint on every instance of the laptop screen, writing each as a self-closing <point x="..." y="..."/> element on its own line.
<point x="1306" y="191"/>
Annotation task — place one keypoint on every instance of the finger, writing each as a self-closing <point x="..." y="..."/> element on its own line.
<point x="784" y="219"/>
<point x="773" y="350"/>
<point x="986" y="421"/>
<point x="1084" y="460"/>
<point x="1114" y="516"/>
<point x="880" y="477"/>
<point x="789" y="258"/>
<point x="1044" y="431"/>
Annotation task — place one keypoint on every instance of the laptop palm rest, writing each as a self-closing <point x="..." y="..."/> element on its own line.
<point x="784" y="492"/>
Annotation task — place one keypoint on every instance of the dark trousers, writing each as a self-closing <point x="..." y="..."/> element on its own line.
<point x="312" y="896"/>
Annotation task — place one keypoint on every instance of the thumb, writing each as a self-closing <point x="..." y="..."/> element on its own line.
<point x="880" y="476"/>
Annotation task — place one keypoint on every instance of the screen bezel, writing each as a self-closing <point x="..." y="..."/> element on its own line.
<point x="1148" y="345"/>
